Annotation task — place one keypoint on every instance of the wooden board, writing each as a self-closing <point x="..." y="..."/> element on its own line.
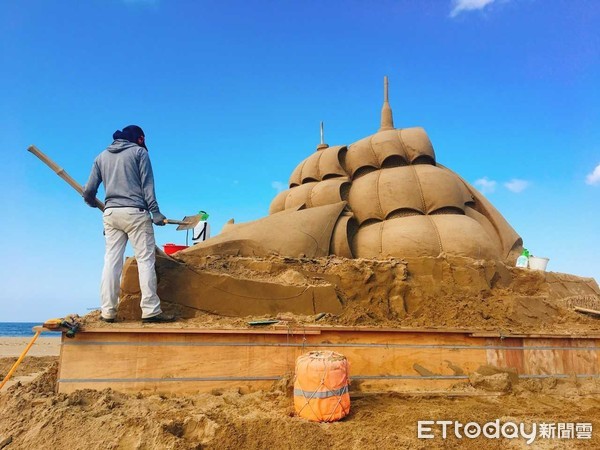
<point x="191" y="360"/>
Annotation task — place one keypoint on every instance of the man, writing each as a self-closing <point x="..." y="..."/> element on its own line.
<point x="125" y="169"/>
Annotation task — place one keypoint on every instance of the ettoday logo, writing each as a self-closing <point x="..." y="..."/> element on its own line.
<point x="432" y="429"/>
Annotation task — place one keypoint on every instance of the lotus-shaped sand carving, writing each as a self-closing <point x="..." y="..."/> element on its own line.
<point x="382" y="196"/>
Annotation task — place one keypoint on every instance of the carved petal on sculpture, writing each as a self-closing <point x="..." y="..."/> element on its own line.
<point x="399" y="237"/>
<point x="300" y="195"/>
<point x="288" y="233"/>
<point x="512" y="244"/>
<point x="321" y="165"/>
<point x="417" y="236"/>
<point x="343" y="234"/>
<point x="320" y="193"/>
<point x="441" y="190"/>
<point x="278" y="203"/>
<point x="417" y="145"/>
<point x="463" y="236"/>
<point x="329" y="191"/>
<point x="296" y="177"/>
<point x="330" y="163"/>
<point x="422" y="189"/>
<point x="310" y="169"/>
<point x="375" y="195"/>
<point x="361" y="155"/>
<point x="486" y="225"/>
<point x="390" y="148"/>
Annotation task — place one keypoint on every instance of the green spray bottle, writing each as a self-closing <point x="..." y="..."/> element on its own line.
<point x="523" y="260"/>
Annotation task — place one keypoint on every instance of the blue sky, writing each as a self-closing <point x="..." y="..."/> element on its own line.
<point x="231" y="93"/>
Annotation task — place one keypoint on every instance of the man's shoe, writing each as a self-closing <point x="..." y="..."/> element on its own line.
<point x="161" y="318"/>
<point x="104" y="319"/>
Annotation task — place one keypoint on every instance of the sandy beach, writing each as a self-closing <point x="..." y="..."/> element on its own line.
<point x="43" y="346"/>
<point x="33" y="415"/>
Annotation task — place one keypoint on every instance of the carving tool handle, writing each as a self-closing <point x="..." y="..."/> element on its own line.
<point x="61" y="173"/>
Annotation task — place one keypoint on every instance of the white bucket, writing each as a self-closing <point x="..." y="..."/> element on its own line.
<point x="538" y="263"/>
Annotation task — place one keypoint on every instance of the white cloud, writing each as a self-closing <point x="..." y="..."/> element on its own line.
<point x="278" y="186"/>
<point x="485" y="186"/>
<point x="515" y="185"/>
<point x="594" y="177"/>
<point x="468" y="5"/>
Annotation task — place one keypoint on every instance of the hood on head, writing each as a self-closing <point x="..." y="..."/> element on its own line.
<point x="119" y="145"/>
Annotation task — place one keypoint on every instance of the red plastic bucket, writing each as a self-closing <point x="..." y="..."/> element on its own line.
<point x="173" y="248"/>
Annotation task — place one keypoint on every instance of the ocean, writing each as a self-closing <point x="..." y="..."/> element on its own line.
<point x="21" y="329"/>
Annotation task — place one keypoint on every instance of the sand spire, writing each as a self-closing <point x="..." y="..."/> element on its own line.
<point x="387" y="121"/>
<point x="322" y="145"/>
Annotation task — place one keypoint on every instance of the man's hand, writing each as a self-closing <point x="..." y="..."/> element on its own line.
<point x="158" y="218"/>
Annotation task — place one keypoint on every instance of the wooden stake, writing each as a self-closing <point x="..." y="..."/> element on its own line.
<point x="61" y="173"/>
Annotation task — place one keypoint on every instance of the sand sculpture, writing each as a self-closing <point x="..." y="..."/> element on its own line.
<point x="380" y="197"/>
<point x="399" y="201"/>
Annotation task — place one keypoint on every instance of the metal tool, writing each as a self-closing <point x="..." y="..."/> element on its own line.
<point x="187" y="223"/>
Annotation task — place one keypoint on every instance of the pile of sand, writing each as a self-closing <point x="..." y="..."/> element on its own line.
<point x="443" y="292"/>
<point x="33" y="416"/>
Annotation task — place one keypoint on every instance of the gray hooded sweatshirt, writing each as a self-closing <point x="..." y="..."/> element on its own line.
<point x="125" y="170"/>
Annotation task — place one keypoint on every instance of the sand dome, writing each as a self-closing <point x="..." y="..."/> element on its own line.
<point x="400" y="202"/>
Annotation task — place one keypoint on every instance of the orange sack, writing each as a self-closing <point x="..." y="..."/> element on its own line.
<point x="321" y="386"/>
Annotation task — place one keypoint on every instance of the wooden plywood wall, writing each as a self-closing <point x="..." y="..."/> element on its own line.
<point x="193" y="360"/>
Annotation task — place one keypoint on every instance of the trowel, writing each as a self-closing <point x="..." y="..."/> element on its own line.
<point x="187" y="223"/>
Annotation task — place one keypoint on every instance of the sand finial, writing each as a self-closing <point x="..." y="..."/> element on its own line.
<point x="322" y="145"/>
<point x="387" y="121"/>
